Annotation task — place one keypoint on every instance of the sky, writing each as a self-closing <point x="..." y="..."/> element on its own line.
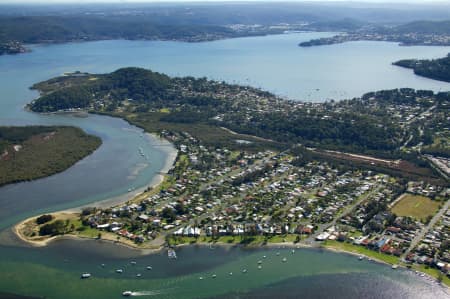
<point x="150" y="1"/>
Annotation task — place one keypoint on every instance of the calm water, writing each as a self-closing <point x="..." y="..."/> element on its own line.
<point x="274" y="63"/>
<point x="306" y="274"/>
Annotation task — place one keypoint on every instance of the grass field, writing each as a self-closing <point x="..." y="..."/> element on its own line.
<point x="348" y="247"/>
<point x="416" y="206"/>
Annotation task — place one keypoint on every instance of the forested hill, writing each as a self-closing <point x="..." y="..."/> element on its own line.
<point x="438" y="69"/>
<point x="424" y="27"/>
<point x="45" y="29"/>
<point x="28" y="153"/>
<point x="376" y="123"/>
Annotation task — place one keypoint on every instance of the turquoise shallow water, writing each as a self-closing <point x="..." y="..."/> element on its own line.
<point x="308" y="273"/>
<point x="274" y="63"/>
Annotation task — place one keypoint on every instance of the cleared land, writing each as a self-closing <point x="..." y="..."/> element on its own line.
<point x="416" y="206"/>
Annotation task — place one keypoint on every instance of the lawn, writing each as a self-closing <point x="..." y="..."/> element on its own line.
<point x="348" y="247"/>
<point x="416" y="206"/>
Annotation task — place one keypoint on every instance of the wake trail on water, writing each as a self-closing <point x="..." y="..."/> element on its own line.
<point x="149" y="293"/>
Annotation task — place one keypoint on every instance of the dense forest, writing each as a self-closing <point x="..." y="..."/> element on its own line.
<point x="158" y="102"/>
<point x="28" y="153"/>
<point x="438" y="69"/>
<point x="50" y="29"/>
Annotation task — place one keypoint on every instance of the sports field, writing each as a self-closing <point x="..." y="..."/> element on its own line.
<point x="416" y="206"/>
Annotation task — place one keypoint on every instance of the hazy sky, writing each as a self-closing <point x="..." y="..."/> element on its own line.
<point x="131" y="1"/>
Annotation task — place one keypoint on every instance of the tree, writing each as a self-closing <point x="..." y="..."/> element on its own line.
<point x="168" y="214"/>
<point x="44" y="218"/>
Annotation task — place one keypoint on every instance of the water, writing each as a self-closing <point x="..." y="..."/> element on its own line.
<point x="274" y="63"/>
<point x="307" y="274"/>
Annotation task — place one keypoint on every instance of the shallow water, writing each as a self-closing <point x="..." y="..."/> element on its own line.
<point x="274" y="63"/>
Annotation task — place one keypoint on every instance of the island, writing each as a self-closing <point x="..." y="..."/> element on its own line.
<point x="32" y="152"/>
<point x="437" y="69"/>
<point x="252" y="169"/>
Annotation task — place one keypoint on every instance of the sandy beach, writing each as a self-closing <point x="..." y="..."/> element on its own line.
<point x="156" y="180"/>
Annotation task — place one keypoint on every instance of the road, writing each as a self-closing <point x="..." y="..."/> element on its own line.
<point x="344" y="213"/>
<point x="425" y="230"/>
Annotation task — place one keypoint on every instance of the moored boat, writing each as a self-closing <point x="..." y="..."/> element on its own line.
<point x="171" y="254"/>
<point x="85" y="275"/>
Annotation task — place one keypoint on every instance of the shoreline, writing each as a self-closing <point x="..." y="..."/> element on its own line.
<point x="287" y="245"/>
<point x="156" y="180"/>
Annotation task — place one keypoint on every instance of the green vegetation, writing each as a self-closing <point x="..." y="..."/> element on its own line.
<point x="416" y="206"/>
<point x="345" y="246"/>
<point x="201" y="105"/>
<point x="57" y="227"/>
<point x="58" y="148"/>
<point x="438" y="69"/>
<point x="433" y="272"/>
<point x="410" y="34"/>
<point x="220" y="114"/>
<point x="44" y="219"/>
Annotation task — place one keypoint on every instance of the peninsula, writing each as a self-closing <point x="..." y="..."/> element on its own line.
<point x="437" y="69"/>
<point x="419" y="33"/>
<point x="359" y="175"/>
<point x="28" y="153"/>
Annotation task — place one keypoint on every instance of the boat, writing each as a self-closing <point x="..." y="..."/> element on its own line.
<point x="264" y="256"/>
<point x="149" y="268"/>
<point x="360" y="257"/>
<point x="259" y="262"/>
<point x="127" y="293"/>
<point x="201" y="278"/>
<point x="284" y="260"/>
<point x="214" y="276"/>
<point x="119" y="271"/>
<point x="85" y="275"/>
<point x="278" y="253"/>
<point x="259" y="267"/>
<point x="394" y="267"/>
<point x="171" y="254"/>
<point x="293" y="251"/>
<point x="138" y="275"/>
<point x="133" y="262"/>
<point x="231" y="273"/>
<point x="244" y="271"/>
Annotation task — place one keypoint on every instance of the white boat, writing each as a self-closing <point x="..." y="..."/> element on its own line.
<point x="119" y="271"/>
<point x="360" y="257"/>
<point x="149" y="268"/>
<point x="85" y="275"/>
<point x="259" y="267"/>
<point x="394" y="267"/>
<point x="138" y="275"/>
<point x="127" y="293"/>
<point x="171" y="254"/>
<point x="214" y="276"/>
<point x="244" y="271"/>
<point x="231" y="273"/>
<point x="284" y="260"/>
<point x="133" y="262"/>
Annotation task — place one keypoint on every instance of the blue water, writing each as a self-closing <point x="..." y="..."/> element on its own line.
<point x="274" y="63"/>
